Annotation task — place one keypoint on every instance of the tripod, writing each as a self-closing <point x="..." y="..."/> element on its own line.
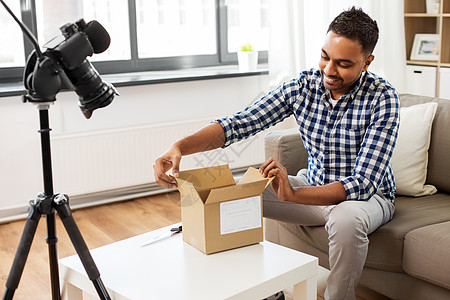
<point x="45" y="204"/>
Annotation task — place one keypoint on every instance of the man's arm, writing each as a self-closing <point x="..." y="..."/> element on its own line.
<point x="268" y="111"/>
<point x="207" y="138"/>
<point x="328" y="194"/>
<point x="375" y="153"/>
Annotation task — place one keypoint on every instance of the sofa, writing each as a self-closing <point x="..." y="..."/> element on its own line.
<point x="409" y="257"/>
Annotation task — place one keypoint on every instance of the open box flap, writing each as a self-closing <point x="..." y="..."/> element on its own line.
<point x="252" y="175"/>
<point x="189" y="193"/>
<point x="208" y="178"/>
<point x="238" y="191"/>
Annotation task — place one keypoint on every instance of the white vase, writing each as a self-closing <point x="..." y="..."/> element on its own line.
<point x="248" y="61"/>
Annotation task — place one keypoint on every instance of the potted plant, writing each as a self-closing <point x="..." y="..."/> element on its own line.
<point x="247" y="58"/>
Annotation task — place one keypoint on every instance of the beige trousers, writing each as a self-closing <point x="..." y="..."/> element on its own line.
<point x="348" y="224"/>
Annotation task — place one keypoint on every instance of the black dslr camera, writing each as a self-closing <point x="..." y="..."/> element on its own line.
<point x="65" y="58"/>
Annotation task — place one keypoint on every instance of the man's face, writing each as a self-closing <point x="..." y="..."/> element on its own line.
<point x="341" y="63"/>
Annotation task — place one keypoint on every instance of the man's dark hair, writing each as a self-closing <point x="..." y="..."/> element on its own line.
<point x="356" y="25"/>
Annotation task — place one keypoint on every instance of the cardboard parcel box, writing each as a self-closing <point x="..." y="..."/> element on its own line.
<point x="218" y="214"/>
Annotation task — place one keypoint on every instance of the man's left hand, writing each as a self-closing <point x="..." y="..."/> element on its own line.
<point x="280" y="183"/>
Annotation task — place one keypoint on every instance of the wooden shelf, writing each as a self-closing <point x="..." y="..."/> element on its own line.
<point x="417" y="21"/>
<point x="425" y="15"/>
<point x="422" y="63"/>
<point x="427" y="63"/>
<point x="422" y="15"/>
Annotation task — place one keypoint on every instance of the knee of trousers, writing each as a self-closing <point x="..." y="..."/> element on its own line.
<point x="347" y="224"/>
<point x="269" y="198"/>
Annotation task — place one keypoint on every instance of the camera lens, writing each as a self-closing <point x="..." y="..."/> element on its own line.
<point x="93" y="92"/>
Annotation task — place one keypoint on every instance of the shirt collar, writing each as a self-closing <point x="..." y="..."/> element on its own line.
<point x="355" y="89"/>
<point x="350" y="94"/>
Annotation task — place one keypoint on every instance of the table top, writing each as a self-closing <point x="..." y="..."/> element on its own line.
<point x="173" y="269"/>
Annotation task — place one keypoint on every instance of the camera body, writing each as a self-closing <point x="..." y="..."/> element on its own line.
<point x="65" y="58"/>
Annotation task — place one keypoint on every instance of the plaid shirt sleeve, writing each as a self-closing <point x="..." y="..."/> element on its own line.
<point x="268" y="111"/>
<point x="376" y="150"/>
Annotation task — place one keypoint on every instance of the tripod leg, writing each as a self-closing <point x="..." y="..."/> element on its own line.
<point x="22" y="252"/>
<point x="52" y="240"/>
<point x="80" y="246"/>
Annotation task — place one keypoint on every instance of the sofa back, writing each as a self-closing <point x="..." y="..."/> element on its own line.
<point x="439" y="152"/>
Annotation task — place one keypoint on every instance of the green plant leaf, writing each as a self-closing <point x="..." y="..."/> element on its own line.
<point x="247" y="47"/>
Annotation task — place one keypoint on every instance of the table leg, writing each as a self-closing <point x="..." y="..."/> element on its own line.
<point x="306" y="290"/>
<point x="71" y="292"/>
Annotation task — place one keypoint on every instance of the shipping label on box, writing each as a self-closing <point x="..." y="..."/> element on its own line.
<point x="239" y="215"/>
<point x="219" y="214"/>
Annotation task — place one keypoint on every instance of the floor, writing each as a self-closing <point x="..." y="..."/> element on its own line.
<point x="99" y="226"/>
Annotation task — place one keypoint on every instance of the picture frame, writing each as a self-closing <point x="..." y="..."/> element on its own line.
<point x="425" y="47"/>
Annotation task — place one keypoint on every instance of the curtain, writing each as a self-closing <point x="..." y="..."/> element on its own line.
<point x="298" y="29"/>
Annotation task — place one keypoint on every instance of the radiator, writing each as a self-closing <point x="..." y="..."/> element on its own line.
<point x="110" y="160"/>
<point x="102" y="167"/>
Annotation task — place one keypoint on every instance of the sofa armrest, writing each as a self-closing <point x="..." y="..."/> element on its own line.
<point x="286" y="147"/>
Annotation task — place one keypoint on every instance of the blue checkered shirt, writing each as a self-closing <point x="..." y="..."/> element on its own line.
<point x="351" y="142"/>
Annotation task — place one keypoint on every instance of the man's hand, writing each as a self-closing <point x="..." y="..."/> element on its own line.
<point x="280" y="183"/>
<point x="168" y="160"/>
<point x="207" y="138"/>
<point x="329" y="194"/>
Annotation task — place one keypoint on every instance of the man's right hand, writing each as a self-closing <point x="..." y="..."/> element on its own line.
<point x="207" y="138"/>
<point x="168" y="160"/>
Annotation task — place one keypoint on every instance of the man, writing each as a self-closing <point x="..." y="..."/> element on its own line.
<point x="348" y="120"/>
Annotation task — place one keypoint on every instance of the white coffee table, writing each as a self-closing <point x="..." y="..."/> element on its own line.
<point x="172" y="269"/>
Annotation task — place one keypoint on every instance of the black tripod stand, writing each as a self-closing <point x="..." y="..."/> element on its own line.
<point x="45" y="204"/>
<point x="63" y="61"/>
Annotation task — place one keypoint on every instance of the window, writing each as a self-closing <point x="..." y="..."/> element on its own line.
<point x="11" y="48"/>
<point x="167" y="28"/>
<point x="112" y="14"/>
<point x="146" y="35"/>
<point x="247" y="23"/>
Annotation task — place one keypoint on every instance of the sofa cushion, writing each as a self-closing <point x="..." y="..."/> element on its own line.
<point x="386" y="243"/>
<point x="427" y="255"/>
<point x="410" y="157"/>
<point x="286" y="146"/>
<point x="438" y="162"/>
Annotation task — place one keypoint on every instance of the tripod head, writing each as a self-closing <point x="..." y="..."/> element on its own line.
<point x="41" y="79"/>
<point x="64" y="63"/>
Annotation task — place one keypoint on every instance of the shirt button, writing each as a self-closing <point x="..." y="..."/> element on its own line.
<point x="326" y="153"/>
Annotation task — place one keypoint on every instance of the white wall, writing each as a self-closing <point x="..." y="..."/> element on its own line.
<point x="20" y="160"/>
